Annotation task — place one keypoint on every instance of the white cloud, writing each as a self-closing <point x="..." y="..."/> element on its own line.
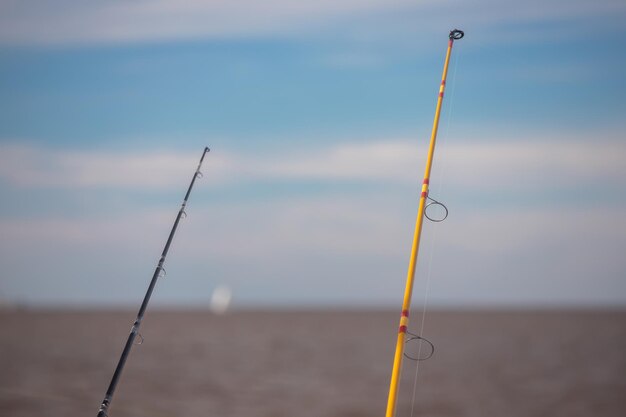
<point x="40" y="167"/>
<point x="536" y="163"/>
<point x="71" y="21"/>
<point x="348" y="246"/>
<point x="121" y="21"/>
<point x="541" y="256"/>
<point x="327" y="243"/>
<point x="494" y="233"/>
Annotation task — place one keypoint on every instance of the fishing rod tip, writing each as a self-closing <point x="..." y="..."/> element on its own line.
<point x="206" y="149"/>
<point x="456" y="34"/>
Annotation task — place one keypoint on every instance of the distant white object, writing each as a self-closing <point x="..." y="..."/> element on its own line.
<point x="220" y="299"/>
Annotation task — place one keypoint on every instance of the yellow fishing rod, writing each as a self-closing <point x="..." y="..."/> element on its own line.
<point x="406" y="304"/>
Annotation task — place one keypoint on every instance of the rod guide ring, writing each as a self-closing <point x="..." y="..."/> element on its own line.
<point x="431" y="217"/>
<point x="456" y="34"/>
<point x="425" y="342"/>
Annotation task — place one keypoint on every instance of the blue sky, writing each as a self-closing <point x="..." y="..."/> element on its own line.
<point x="317" y="116"/>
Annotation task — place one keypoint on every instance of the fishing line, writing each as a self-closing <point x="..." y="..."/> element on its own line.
<point x="433" y="241"/>
<point x="423" y="321"/>
<point x="421" y="340"/>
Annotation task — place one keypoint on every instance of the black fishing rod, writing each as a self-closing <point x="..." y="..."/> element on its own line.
<point x="134" y="331"/>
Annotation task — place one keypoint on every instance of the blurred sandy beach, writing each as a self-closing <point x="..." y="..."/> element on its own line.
<point x="316" y="363"/>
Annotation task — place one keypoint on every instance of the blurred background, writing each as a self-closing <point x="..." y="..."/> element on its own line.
<point x="284" y="283"/>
